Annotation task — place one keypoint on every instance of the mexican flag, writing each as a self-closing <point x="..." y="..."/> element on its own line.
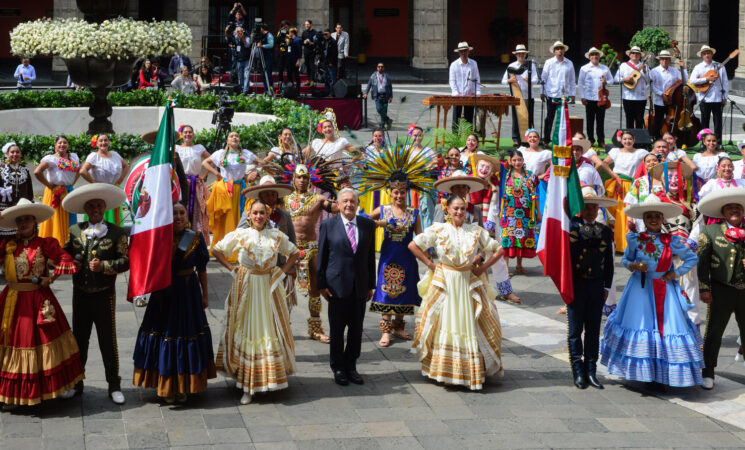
<point x="563" y="201"/>
<point x="152" y="206"/>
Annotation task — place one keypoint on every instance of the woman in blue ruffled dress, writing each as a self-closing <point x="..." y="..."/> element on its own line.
<point x="649" y="336"/>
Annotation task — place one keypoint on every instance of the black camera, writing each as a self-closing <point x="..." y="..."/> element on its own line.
<point x="225" y="111"/>
<point x="256" y="34"/>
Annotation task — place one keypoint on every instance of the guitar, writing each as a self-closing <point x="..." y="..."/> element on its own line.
<point x="715" y="73"/>
<point x="603" y="100"/>
<point x="636" y="74"/>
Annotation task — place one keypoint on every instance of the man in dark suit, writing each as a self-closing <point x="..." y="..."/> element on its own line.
<point x="346" y="279"/>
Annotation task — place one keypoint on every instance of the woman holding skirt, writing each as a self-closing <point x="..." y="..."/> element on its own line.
<point x="105" y="166"/>
<point x="58" y="172"/>
<point x="173" y="352"/>
<point x="458" y="336"/>
<point x="257" y="348"/>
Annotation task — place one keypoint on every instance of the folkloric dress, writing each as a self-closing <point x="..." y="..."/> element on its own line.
<point x="39" y="357"/>
<point x="518" y="215"/>
<point x="458" y="336"/>
<point x="61" y="173"/>
<point x="649" y="336"/>
<point x="173" y="351"/>
<point x="15" y="184"/>
<point x="191" y="159"/>
<point x="257" y="347"/>
<point x="398" y="273"/>
<point x="624" y="165"/>
<point x="107" y="170"/>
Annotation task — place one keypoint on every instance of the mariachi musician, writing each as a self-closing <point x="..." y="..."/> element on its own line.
<point x="521" y="80"/>
<point x="662" y="78"/>
<point x="634" y="71"/>
<point x="711" y="73"/>
<point x="593" y="77"/>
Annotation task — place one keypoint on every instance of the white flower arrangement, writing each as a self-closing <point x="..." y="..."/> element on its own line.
<point x="121" y="38"/>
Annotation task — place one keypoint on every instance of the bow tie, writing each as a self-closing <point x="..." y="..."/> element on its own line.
<point x="96" y="231"/>
<point x="735" y="234"/>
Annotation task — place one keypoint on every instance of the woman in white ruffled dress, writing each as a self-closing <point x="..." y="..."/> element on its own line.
<point x="105" y="166"/>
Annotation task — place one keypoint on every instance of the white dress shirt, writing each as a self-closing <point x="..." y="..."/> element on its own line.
<point x="714" y="94"/>
<point x="558" y="78"/>
<point x="589" y="175"/>
<point x="661" y="80"/>
<point x="462" y="76"/>
<point x="23" y="72"/>
<point x="640" y="90"/>
<point x="522" y="79"/>
<point x="589" y="80"/>
<point x="345" y="221"/>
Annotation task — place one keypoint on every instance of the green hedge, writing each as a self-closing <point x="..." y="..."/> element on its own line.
<point x="300" y="118"/>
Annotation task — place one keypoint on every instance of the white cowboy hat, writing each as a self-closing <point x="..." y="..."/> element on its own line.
<point x="634" y="49"/>
<point x="740" y="145"/>
<point x="712" y="204"/>
<point x="459" y="177"/>
<point x="267" y="183"/>
<point x="520" y="48"/>
<point x="584" y="143"/>
<point x="589" y="195"/>
<point x="593" y="50"/>
<point x="110" y="194"/>
<point x="706" y="48"/>
<point x="462" y="46"/>
<point x="559" y="44"/>
<point x="25" y="207"/>
<point x="7" y="147"/>
<point x="664" y="54"/>
<point x="653" y="203"/>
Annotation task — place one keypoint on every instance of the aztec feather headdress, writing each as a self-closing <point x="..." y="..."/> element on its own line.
<point x="399" y="168"/>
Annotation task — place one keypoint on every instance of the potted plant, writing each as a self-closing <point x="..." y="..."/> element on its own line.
<point x="651" y="40"/>
<point x="609" y="55"/>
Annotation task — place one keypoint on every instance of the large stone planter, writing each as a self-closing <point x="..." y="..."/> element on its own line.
<point x="100" y="76"/>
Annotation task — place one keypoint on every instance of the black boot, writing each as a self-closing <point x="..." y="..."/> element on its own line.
<point x="592" y="379"/>
<point x="578" y="372"/>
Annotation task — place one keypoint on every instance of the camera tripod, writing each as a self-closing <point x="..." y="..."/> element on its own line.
<point x="268" y="84"/>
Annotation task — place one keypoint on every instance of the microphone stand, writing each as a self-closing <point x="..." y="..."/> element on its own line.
<point x="529" y="101"/>
<point x="620" y="91"/>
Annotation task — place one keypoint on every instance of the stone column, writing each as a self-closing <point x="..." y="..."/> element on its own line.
<point x="194" y="14"/>
<point x="686" y="21"/>
<point x="430" y="34"/>
<point x="64" y="9"/>
<point x="315" y="10"/>
<point x="545" y="26"/>
<point x="740" y="71"/>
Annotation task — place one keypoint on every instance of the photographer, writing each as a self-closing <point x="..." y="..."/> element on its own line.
<point x="241" y="52"/>
<point x="294" y="51"/>
<point x="309" y="49"/>
<point x="265" y="42"/>
<point x="330" y="60"/>
<point x="236" y="18"/>
<point x="283" y="43"/>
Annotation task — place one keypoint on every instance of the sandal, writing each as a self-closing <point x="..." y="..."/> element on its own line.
<point x="399" y="329"/>
<point x="385" y="328"/>
<point x="562" y="310"/>
<point x="521" y="270"/>
<point x="315" y="330"/>
<point x="512" y="298"/>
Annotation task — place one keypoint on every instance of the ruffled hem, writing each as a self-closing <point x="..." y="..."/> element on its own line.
<point x="174" y="384"/>
<point x="174" y="356"/>
<point x="65" y="268"/>
<point x="647" y="344"/>
<point x="256" y="366"/>
<point x="513" y="252"/>
<point x="648" y="370"/>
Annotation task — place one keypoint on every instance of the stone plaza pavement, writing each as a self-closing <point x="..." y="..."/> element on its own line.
<point x="534" y="405"/>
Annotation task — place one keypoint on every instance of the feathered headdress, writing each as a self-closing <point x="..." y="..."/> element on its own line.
<point x="398" y="168"/>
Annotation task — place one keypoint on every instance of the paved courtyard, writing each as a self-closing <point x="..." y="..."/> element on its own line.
<point x="533" y="406"/>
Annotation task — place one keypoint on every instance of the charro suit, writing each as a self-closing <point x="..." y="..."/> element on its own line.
<point x="94" y="294"/>
<point x="721" y="272"/>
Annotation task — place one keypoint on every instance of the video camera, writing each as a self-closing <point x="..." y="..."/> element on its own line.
<point x="225" y="112"/>
<point x="256" y="34"/>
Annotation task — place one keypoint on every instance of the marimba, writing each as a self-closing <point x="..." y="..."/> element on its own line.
<point x="497" y="104"/>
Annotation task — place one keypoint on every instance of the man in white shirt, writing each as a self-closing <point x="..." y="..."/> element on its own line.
<point x="523" y="80"/>
<point x="713" y="100"/>
<point x="592" y="76"/>
<point x="464" y="80"/>
<point x="662" y="78"/>
<point x="634" y="100"/>
<point x="342" y="42"/>
<point x="24" y="74"/>
<point x="559" y="80"/>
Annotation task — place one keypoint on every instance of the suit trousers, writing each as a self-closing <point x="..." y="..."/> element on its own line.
<point x="97" y="308"/>
<point x="709" y="110"/>
<point x="284" y="66"/>
<point x="466" y="111"/>
<point x="584" y="314"/>
<point x="309" y="56"/>
<point x="634" y="111"/>
<point x="595" y="116"/>
<point x="345" y="313"/>
<point x="725" y="301"/>
<point x="548" y="123"/>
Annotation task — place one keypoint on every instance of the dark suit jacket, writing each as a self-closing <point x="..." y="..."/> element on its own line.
<point x="112" y="250"/>
<point x="344" y="273"/>
<point x="173" y="66"/>
<point x="718" y="258"/>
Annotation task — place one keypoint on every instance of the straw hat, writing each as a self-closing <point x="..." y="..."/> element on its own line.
<point x="462" y="46"/>
<point x="150" y="136"/>
<point x="459" y="177"/>
<point x="520" y="48"/>
<point x="110" y="194"/>
<point x="584" y="143"/>
<point x="685" y="169"/>
<point x="712" y="204"/>
<point x="267" y="183"/>
<point x="559" y="44"/>
<point x="591" y="51"/>
<point x="484" y="157"/>
<point x="634" y="49"/>
<point x="706" y="48"/>
<point x="664" y="54"/>
<point x="653" y="203"/>
<point x="25" y="207"/>
<point x="590" y="196"/>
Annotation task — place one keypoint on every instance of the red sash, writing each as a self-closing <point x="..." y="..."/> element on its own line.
<point x="659" y="286"/>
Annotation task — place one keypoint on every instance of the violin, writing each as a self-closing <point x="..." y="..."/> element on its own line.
<point x="603" y="93"/>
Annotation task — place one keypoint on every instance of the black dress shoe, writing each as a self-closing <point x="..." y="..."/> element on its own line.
<point x="340" y="377"/>
<point x="580" y="381"/>
<point x="355" y="377"/>
<point x="593" y="381"/>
